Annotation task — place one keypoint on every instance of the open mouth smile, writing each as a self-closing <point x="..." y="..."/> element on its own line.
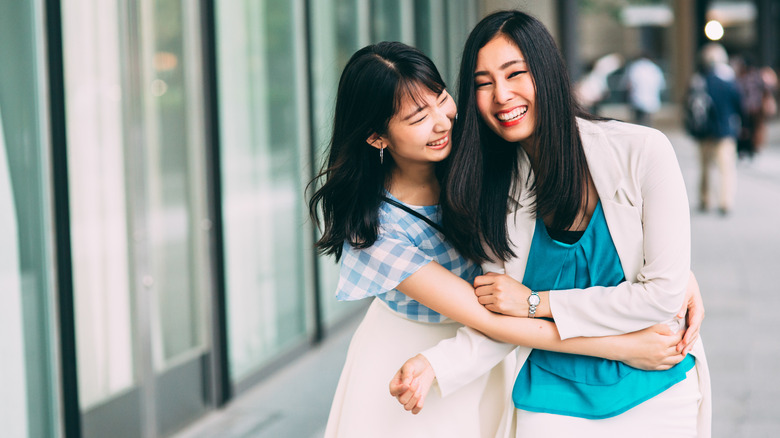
<point x="440" y="143"/>
<point x="513" y="116"/>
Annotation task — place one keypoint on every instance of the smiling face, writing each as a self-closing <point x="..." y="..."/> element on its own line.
<point x="420" y="130"/>
<point x="505" y="91"/>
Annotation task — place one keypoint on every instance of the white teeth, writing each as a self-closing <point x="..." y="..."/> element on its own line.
<point x="439" y="142"/>
<point x="511" y="115"/>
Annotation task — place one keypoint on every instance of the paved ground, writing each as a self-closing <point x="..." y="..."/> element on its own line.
<point x="734" y="257"/>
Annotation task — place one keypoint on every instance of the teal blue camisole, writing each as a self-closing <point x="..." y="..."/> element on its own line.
<point x="574" y="385"/>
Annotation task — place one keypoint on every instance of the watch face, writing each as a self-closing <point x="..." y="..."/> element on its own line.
<point x="534" y="300"/>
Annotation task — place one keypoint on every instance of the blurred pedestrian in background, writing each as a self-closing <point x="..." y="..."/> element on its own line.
<point x="592" y="89"/>
<point x="756" y="93"/>
<point x="770" y="103"/>
<point x="719" y="145"/>
<point x="644" y="82"/>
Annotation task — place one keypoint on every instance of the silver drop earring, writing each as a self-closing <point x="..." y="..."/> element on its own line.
<point x="382" y="155"/>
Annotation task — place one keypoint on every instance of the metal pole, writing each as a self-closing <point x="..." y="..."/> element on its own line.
<point x="569" y="36"/>
<point x="59" y="157"/>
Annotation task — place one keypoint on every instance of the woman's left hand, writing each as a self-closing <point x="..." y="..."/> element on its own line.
<point x="501" y="293"/>
<point x="693" y="312"/>
<point x="411" y="383"/>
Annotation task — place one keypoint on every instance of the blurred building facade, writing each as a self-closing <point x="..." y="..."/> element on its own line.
<point x="156" y="255"/>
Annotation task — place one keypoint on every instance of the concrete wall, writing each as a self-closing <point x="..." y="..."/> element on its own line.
<point x="545" y="11"/>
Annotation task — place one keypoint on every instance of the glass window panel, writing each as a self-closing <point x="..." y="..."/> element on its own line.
<point x="28" y="406"/>
<point x="99" y="225"/>
<point x="460" y="15"/>
<point x="137" y="193"/>
<point x="422" y="26"/>
<point x="261" y="141"/>
<point x="386" y="20"/>
<point x="430" y="36"/>
<point x="335" y="38"/>
<point x="174" y="185"/>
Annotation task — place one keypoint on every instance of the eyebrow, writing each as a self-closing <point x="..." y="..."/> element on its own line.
<point x="503" y="66"/>
<point x="419" y="108"/>
<point x="414" y="113"/>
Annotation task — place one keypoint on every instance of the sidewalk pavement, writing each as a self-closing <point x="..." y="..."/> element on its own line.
<point x="734" y="258"/>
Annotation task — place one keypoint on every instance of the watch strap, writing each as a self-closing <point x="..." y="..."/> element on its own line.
<point x="533" y="303"/>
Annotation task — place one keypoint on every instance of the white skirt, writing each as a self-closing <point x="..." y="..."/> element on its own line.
<point x="363" y="406"/>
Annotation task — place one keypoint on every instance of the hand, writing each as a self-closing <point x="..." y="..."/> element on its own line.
<point x="411" y="383"/>
<point x="693" y="312"/>
<point x="654" y="348"/>
<point x="501" y="293"/>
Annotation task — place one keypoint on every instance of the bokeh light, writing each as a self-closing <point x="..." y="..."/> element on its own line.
<point x="714" y="30"/>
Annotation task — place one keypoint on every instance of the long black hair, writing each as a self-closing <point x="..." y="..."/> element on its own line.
<point x="373" y="85"/>
<point x="483" y="166"/>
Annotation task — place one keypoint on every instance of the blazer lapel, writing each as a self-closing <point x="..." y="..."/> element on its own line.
<point x="623" y="219"/>
<point x="520" y="222"/>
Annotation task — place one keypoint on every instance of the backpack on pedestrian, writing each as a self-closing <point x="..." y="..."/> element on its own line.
<point x="699" y="117"/>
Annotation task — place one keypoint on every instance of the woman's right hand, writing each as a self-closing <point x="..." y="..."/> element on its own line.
<point x="651" y="349"/>
<point x="693" y="312"/>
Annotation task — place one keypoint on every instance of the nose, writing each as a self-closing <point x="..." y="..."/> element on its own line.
<point x="444" y="118"/>
<point x="501" y="92"/>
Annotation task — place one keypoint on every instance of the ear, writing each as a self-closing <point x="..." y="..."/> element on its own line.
<point x="376" y="141"/>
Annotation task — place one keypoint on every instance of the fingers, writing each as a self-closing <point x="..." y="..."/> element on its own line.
<point x="671" y="359"/>
<point x="663" y="329"/>
<point x="485" y="279"/>
<point x="418" y="407"/>
<point x="397" y="386"/>
<point x="411" y="383"/>
<point x="402" y="380"/>
<point x="425" y="386"/>
<point x="410" y="398"/>
<point x="683" y="310"/>
<point x="486" y="299"/>
<point x="484" y="290"/>
<point x="686" y="344"/>
<point x="695" y="318"/>
<point x="690" y="336"/>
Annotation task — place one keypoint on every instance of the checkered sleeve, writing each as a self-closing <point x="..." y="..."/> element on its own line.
<point x="380" y="268"/>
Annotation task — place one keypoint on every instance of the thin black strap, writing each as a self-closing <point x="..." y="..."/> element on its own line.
<point x="409" y="210"/>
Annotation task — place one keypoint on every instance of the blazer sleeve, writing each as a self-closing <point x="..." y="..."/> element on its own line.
<point x="459" y="360"/>
<point x="658" y="291"/>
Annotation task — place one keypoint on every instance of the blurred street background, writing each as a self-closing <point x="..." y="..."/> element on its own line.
<point x="157" y="275"/>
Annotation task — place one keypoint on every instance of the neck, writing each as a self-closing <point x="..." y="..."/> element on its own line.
<point x="415" y="185"/>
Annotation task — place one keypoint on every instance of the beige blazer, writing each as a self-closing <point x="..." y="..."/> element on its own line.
<point x="645" y="204"/>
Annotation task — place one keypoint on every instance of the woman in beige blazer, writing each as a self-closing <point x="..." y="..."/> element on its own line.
<point x="524" y="147"/>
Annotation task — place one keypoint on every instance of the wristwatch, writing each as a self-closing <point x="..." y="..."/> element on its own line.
<point x="533" y="301"/>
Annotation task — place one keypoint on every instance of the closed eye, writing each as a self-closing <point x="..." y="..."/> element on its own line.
<point x="517" y="73"/>
<point x="419" y="120"/>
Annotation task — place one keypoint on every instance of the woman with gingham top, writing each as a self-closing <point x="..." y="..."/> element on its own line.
<point x="392" y="126"/>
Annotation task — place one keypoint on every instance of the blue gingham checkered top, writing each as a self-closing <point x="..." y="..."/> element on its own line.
<point x="404" y="245"/>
